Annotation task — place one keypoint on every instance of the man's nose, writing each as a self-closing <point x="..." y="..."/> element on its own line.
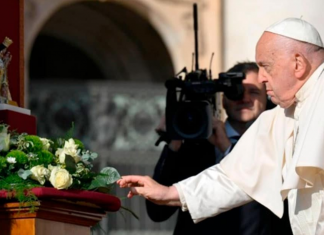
<point x="262" y="78"/>
<point x="246" y="97"/>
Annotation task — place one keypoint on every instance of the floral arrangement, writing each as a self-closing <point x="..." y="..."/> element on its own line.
<point x="29" y="161"/>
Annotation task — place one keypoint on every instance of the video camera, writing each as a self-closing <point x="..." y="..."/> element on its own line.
<point x="189" y="114"/>
<point x="191" y="103"/>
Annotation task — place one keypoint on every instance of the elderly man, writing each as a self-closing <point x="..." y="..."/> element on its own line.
<point x="283" y="149"/>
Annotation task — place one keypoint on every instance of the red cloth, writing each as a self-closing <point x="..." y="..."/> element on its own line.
<point x="19" y="122"/>
<point x="105" y="201"/>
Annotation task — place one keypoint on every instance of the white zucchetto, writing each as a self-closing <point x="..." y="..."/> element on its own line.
<point x="297" y="29"/>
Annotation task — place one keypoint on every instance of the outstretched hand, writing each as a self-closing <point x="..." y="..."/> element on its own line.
<point x="148" y="188"/>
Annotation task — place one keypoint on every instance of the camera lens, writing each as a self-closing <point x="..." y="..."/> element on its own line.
<point x="190" y="122"/>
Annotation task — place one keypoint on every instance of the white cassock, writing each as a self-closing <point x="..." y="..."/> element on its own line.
<point x="281" y="155"/>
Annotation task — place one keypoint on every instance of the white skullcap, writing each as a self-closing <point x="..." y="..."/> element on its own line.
<point x="297" y="29"/>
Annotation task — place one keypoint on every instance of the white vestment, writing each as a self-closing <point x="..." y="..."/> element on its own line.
<point x="279" y="156"/>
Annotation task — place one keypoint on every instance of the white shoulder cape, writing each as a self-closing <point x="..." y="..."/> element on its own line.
<point x="257" y="161"/>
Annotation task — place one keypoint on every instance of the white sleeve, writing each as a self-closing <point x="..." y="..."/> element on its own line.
<point x="210" y="193"/>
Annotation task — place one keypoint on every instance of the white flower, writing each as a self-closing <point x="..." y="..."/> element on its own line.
<point x="80" y="168"/>
<point x="46" y="143"/>
<point x="60" y="178"/>
<point x="11" y="160"/>
<point x="40" y="173"/>
<point x="4" y="141"/>
<point x="70" y="148"/>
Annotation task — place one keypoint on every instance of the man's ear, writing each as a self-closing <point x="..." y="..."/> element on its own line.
<point x="301" y="66"/>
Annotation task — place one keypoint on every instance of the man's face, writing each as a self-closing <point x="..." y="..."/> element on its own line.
<point x="276" y="70"/>
<point x="252" y="103"/>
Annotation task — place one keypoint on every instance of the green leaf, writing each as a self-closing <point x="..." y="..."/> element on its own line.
<point x="106" y="189"/>
<point x="85" y="157"/>
<point x="70" y="132"/>
<point x="89" y="157"/>
<point x="105" y="179"/>
<point x="70" y="164"/>
<point x="93" y="156"/>
<point x="57" y="143"/>
<point x="24" y="174"/>
<point x="11" y="167"/>
<point x="99" y="182"/>
<point x="111" y="173"/>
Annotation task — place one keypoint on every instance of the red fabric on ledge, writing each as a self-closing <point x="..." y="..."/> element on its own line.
<point x="19" y="122"/>
<point x="105" y="201"/>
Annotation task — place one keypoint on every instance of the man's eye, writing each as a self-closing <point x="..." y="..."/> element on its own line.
<point x="266" y="68"/>
<point x="255" y="92"/>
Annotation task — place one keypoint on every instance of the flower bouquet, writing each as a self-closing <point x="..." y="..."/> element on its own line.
<point x="30" y="164"/>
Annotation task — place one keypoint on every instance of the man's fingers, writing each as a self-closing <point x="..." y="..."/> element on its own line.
<point x="131" y="181"/>
<point x="133" y="192"/>
<point x="130" y="194"/>
<point x="129" y="185"/>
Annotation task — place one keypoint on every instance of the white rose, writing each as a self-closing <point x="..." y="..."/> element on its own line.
<point x="70" y="148"/>
<point x="4" y="141"/>
<point x="46" y="143"/>
<point x="60" y="178"/>
<point x="40" y="173"/>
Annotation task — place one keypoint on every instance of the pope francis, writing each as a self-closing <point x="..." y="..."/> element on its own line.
<point x="282" y="153"/>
